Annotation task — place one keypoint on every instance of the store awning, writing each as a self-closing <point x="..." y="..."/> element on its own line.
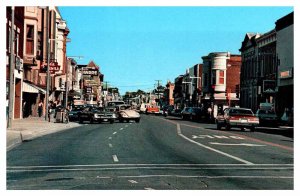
<point x="31" y="88"/>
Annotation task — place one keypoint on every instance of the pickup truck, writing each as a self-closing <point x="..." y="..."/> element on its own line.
<point x="152" y="110"/>
<point x="237" y="117"/>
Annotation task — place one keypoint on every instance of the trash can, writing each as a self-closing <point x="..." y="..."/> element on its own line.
<point x="60" y="117"/>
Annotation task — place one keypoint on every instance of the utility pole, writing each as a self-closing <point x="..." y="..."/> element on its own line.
<point x="11" y="70"/>
<point x="158" y="90"/>
<point x="48" y="63"/>
<point x="66" y="85"/>
<point x="157" y="87"/>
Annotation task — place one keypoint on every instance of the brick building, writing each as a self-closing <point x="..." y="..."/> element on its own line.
<point x="18" y="29"/>
<point x="259" y="69"/>
<point x="220" y="80"/>
<point x="285" y="50"/>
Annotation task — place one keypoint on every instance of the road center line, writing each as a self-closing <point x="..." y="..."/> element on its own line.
<point x="121" y="129"/>
<point x="209" y="148"/>
<point x="110" y="145"/>
<point x="115" y="158"/>
<point x="114" y="133"/>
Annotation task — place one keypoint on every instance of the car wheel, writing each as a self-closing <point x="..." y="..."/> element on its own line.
<point x="252" y="129"/>
<point x="228" y="127"/>
<point x="219" y="126"/>
<point x="137" y="120"/>
<point x="112" y="122"/>
<point x="91" y="120"/>
<point x="80" y="120"/>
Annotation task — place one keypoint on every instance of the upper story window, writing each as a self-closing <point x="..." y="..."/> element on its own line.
<point x="221" y="77"/>
<point x="30" y="39"/>
<point x="214" y="77"/>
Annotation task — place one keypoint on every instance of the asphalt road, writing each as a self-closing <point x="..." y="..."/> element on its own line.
<point x="157" y="153"/>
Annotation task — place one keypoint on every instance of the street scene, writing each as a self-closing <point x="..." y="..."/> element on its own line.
<point x="149" y="98"/>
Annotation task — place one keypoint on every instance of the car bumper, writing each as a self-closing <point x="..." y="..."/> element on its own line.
<point x="240" y="124"/>
<point x="104" y="118"/>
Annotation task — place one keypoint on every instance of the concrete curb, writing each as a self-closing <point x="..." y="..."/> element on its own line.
<point x="15" y="138"/>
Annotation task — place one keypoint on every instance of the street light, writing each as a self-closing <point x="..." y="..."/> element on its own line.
<point x="191" y="83"/>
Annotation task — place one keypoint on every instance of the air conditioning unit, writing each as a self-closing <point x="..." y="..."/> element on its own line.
<point x="19" y="63"/>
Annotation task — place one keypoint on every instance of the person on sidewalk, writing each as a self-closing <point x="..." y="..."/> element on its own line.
<point x="40" y="108"/>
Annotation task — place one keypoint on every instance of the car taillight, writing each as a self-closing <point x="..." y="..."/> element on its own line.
<point x="233" y="118"/>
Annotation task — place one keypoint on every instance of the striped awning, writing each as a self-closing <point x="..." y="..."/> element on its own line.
<point x="31" y="88"/>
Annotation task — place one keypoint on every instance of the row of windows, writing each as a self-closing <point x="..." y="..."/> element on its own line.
<point x="218" y="77"/>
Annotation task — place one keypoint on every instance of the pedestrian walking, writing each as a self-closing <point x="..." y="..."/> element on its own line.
<point x="209" y="111"/>
<point x="24" y="109"/>
<point x="40" y="108"/>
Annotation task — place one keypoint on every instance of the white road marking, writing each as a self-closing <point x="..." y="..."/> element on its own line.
<point x="138" y="168"/>
<point x="109" y="138"/>
<point x="212" y="149"/>
<point x="148" y="165"/>
<point x="115" y="158"/>
<point x="114" y="133"/>
<point x="126" y="125"/>
<point x="110" y="145"/>
<point x="185" y="176"/>
<point x="133" y="181"/>
<point x="147" y="188"/>
<point x="241" y="144"/>
<point x="121" y="129"/>
<point x="217" y="136"/>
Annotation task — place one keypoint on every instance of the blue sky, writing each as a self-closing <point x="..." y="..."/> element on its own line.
<point x="134" y="46"/>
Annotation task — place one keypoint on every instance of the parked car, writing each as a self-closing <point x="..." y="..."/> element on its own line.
<point x="175" y="112"/>
<point x="186" y="113"/>
<point x="73" y="114"/>
<point x="267" y="117"/>
<point x="96" y="114"/>
<point x="197" y="114"/>
<point x="126" y="113"/>
<point x="237" y="117"/>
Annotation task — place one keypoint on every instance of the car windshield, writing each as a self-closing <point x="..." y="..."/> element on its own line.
<point x="197" y="110"/>
<point x="100" y="109"/>
<point x="115" y="103"/>
<point x="240" y="112"/>
<point x="125" y="107"/>
<point x="266" y="112"/>
<point x="77" y="109"/>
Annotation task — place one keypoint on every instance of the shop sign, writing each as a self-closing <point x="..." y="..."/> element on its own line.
<point x="53" y="68"/>
<point x="88" y="90"/>
<point x="90" y="72"/>
<point x="286" y="74"/>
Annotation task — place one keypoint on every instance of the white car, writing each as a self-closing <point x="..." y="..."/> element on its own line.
<point x="126" y="113"/>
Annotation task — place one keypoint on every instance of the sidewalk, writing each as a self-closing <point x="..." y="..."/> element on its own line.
<point x="33" y="127"/>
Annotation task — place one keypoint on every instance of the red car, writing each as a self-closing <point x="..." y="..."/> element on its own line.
<point x="237" y="117"/>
